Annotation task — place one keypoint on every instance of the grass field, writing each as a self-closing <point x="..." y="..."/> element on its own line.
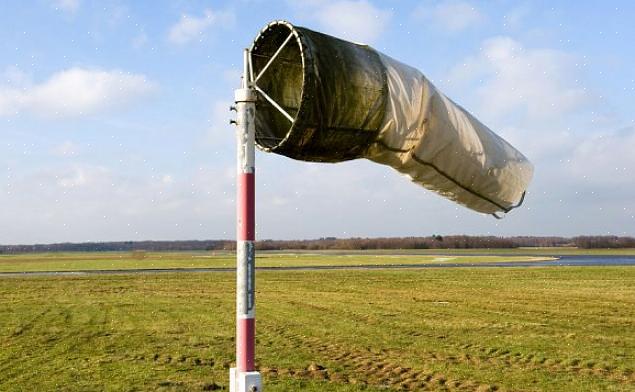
<point x="555" y="329"/>
<point x="535" y="251"/>
<point x="132" y="260"/>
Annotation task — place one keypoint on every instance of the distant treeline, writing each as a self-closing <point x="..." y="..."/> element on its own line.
<point x="450" y="242"/>
<point x="121" y="246"/>
<point x="431" y="242"/>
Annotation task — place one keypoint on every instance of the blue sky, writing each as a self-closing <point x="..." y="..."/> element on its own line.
<point x="113" y="118"/>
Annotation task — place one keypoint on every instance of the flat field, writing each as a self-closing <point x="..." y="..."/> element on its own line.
<point x="529" y="329"/>
<point x="528" y="251"/>
<point x="170" y="260"/>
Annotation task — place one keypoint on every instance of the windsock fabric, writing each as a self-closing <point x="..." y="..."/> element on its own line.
<point x="350" y="101"/>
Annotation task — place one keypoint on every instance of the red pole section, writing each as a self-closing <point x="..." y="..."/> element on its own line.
<point x="245" y="228"/>
<point x="244" y="378"/>
<point x="245" y="276"/>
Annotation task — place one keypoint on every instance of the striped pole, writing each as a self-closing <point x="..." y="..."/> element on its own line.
<point x="244" y="378"/>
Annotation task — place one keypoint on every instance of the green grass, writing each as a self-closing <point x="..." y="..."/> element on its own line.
<point x="127" y="260"/>
<point x="554" y="329"/>
<point x="533" y="251"/>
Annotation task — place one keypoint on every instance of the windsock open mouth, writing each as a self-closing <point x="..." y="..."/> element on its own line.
<point x="330" y="94"/>
<point x="282" y="79"/>
<point x="324" y="99"/>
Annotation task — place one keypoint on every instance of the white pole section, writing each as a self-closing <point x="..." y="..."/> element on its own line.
<point x="244" y="378"/>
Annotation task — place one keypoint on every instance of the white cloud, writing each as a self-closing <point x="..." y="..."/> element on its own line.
<point x="14" y="76"/>
<point x="605" y="159"/>
<point x="536" y="98"/>
<point x="452" y="16"/>
<point x="515" y="18"/>
<point x="70" y="6"/>
<point x="167" y="179"/>
<point x="66" y="149"/>
<point x="539" y="83"/>
<point x="83" y="176"/>
<point x="81" y="201"/>
<point x="73" y="92"/>
<point x="354" y="20"/>
<point x="190" y="27"/>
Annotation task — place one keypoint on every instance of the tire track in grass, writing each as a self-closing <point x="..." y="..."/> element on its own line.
<point x="20" y="331"/>
<point x="37" y="357"/>
<point x="364" y="367"/>
<point x="28" y="325"/>
<point x="376" y="368"/>
<point x="478" y="354"/>
<point x="534" y="361"/>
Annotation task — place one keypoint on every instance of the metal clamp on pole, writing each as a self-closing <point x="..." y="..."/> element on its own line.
<point x="244" y="377"/>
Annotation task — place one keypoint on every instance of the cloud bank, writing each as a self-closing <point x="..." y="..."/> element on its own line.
<point x="539" y="82"/>
<point x="70" y="6"/>
<point x="354" y="20"/>
<point x="190" y="27"/>
<point x="450" y="16"/>
<point x="74" y="92"/>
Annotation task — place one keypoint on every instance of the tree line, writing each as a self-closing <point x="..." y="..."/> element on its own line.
<point x="326" y="243"/>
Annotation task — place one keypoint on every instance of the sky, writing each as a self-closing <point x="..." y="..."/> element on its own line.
<point x="114" y="118"/>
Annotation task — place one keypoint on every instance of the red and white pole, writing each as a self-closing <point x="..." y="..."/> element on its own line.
<point x="244" y="378"/>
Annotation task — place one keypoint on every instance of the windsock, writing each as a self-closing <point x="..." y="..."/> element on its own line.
<point x="324" y="99"/>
